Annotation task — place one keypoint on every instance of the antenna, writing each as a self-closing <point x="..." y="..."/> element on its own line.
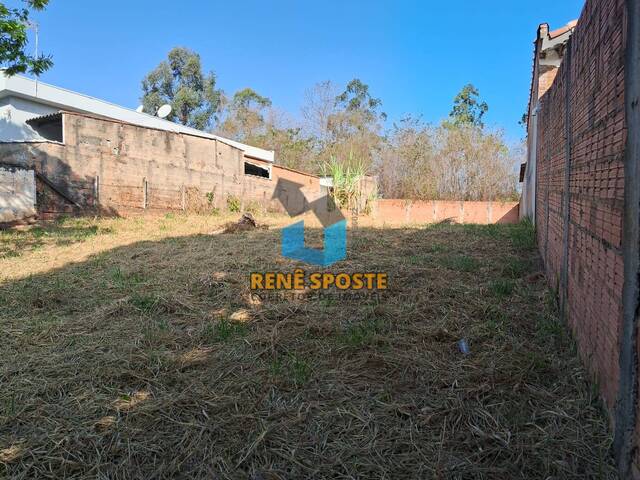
<point x="35" y="27"/>
<point x="164" y="111"/>
<point x="140" y="109"/>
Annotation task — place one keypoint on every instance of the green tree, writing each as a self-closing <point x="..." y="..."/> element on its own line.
<point x="524" y="120"/>
<point x="357" y="99"/>
<point x="468" y="109"/>
<point x="180" y="82"/>
<point x="248" y="99"/>
<point x="292" y="148"/>
<point x="354" y="125"/>
<point x="245" y="115"/>
<point x="14" y="23"/>
<point x="249" y="118"/>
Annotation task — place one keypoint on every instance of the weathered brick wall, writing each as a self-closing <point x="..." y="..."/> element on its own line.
<point x="580" y="186"/>
<point x="45" y="158"/>
<point x="120" y="168"/>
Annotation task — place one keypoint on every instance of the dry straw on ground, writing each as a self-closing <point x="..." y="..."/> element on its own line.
<point x="133" y="349"/>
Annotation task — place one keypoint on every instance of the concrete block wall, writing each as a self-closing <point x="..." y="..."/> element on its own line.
<point x="17" y="194"/>
<point x="120" y="168"/>
<point x="45" y="158"/>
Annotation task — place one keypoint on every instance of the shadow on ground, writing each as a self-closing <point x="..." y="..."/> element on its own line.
<point x="154" y="360"/>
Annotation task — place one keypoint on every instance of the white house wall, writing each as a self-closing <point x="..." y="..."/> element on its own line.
<point x="14" y="112"/>
<point x="17" y="194"/>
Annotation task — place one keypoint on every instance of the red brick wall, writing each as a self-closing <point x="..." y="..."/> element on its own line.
<point x="403" y="212"/>
<point x="593" y="78"/>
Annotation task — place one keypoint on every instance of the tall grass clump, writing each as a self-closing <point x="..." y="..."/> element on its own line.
<point x="347" y="181"/>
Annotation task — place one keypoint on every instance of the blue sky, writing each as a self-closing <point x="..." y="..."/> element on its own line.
<point x="415" y="55"/>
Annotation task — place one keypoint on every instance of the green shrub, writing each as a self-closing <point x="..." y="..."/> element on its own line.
<point x="502" y="287"/>
<point x="233" y="203"/>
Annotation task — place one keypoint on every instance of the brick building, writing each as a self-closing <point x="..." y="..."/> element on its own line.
<point x="549" y="48"/>
<point x="90" y="155"/>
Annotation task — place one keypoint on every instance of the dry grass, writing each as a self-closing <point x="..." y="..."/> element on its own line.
<point x="133" y="349"/>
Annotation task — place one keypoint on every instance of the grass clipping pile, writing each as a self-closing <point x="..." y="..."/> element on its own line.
<point x="152" y="360"/>
<point x="245" y="224"/>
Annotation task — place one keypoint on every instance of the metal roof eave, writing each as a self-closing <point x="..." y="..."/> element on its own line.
<point x="68" y="100"/>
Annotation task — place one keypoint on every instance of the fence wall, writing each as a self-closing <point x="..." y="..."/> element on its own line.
<point x="17" y="194"/>
<point x="580" y="198"/>
<point x="118" y="168"/>
<point x="403" y="212"/>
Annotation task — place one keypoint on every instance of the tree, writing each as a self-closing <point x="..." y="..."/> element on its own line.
<point x="447" y="162"/>
<point x="356" y="100"/>
<point x="474" y="164"/>
<point x="245" y="115"/>
<point x="354" y="125"/>
<point x="317" y="110"/>
<point x="180" y="82"/>
<point x="14" y="23"/>
<point x="467" y="107"/>
<point x="292" y="148"/>
<point x="524" y="120"/>
<point x="405" y="165"/>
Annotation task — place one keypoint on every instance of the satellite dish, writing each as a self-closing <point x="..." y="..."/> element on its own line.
<point x="140" y="109"/>
<point x="164" y="111"/>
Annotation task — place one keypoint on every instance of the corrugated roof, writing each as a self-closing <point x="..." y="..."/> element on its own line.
<point x="44" y="118"/>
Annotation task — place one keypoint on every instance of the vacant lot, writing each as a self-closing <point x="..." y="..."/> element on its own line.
<point x="133" y="349"/>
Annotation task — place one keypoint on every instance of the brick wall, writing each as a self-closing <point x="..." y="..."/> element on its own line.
<point x="403" y="212"/>
<point x="580" y="187"/>
<point x="121" y="168"/>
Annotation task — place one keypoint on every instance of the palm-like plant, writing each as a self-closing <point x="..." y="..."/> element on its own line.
<point x="347" y="178"/>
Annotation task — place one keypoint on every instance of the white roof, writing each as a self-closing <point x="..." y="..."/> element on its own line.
<point x="326" y="181"/>
<point x="57" y="97"/>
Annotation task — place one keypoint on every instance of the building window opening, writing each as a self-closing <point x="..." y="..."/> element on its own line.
<point x="48" y="127"/>
<point x="256" y="171"/>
